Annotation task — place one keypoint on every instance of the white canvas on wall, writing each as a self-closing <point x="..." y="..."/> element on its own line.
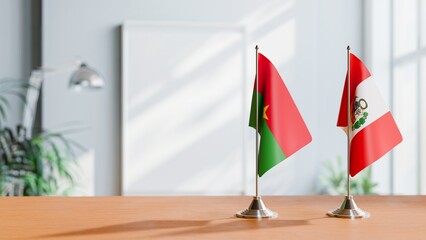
<point x="182" y="109"/>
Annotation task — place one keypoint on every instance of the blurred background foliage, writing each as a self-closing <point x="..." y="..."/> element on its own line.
<point x="333" y="180"/>
<point x="41" y="164"/>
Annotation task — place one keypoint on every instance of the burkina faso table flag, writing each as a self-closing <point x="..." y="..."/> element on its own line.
<point x="278" y="122"/>
<point x="281" y="127"/>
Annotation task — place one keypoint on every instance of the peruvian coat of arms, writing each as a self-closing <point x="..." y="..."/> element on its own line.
<point x="359" y="113"/>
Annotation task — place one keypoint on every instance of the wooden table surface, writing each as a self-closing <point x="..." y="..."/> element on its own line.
<point x="300" y="217"/>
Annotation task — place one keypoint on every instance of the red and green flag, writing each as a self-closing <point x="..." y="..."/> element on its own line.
<point x="281" y="127"/>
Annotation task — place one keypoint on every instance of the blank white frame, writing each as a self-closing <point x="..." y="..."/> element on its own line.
<point x="129" y="26"/>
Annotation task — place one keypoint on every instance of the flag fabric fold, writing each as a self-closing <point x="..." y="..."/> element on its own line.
<point x="281" y="127"/>
<point x="373" y="129"/>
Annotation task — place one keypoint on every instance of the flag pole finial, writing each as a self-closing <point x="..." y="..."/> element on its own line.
<point x="348" y="48"/>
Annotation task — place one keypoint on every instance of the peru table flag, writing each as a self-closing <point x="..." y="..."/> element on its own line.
<point x="281" y="127"/>
<point x="373" y="131"/>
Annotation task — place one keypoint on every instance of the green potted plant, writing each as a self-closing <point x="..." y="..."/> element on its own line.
<point x="32" y="166"/>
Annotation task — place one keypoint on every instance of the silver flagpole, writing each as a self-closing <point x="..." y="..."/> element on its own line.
<point x="257" y="208"/>
<point x="257" y="121"/>
<point x="349" y="123"/>
<point x="349" y="209"/>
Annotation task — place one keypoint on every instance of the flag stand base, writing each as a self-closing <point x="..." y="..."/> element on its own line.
<point x="349" y="209"/>
<point x="257" y="209"/>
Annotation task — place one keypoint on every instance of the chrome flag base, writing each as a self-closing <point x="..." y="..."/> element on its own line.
<point x="257" y="209"/>
<point x="349" y="209"/>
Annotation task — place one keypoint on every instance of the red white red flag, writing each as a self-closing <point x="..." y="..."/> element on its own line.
<point x="374" y="131"/>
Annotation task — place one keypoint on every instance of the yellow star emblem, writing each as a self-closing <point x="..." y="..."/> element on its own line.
<point x="264" y="112"/>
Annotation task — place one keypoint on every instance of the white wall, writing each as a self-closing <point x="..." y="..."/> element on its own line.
<point x="15" y="47"/>
<point x="396" y="59"/>
<point x="378" y="57"/>
<point x="340" y="23"/>
<point x="305" y="39"/>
